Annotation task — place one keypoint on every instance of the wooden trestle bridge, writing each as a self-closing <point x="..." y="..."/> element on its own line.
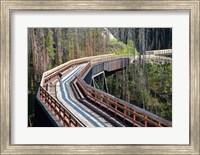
<point x="74" y="101"/>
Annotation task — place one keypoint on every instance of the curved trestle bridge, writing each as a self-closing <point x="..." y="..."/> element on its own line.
<point x="73" y="100"/>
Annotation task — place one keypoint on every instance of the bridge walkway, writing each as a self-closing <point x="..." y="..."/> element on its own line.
<point x="65" y="95"/>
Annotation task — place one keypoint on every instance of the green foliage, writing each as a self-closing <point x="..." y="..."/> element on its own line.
<point x="71" y="46"/>
<point x="49" y="66"/>
<point x="160" y="78"/>
<point x="63" y="40"/>
<point x="119" y="48"/>
<point x="115" y="41"/>
<point x="49" y="44"/>
<point x="60" y="61"/>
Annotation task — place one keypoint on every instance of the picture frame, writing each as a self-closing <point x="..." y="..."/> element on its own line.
<point x="5" y="85"/>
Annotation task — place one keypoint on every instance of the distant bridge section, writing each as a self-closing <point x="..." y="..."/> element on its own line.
<point x="108" y="65"/>
<point x="164" y="52"/>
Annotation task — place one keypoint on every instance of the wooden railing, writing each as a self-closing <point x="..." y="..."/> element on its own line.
<point x="122" y="109"/>
<point x="64" y="116"/>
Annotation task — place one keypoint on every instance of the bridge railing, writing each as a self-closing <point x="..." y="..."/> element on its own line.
<point x="53" y="73"/>
<point x="120" y="108"/>
<point x="65" y="117"/>
<point x="159" y="52"/>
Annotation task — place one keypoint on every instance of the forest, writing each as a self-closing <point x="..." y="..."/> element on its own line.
<point x="149" y="88"/>
<point x="148" y="85"/>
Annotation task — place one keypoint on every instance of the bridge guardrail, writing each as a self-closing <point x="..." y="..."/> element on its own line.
<point x="65" y="117"/>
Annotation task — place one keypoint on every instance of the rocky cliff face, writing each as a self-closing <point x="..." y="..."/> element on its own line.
<point x="145" y="38"/>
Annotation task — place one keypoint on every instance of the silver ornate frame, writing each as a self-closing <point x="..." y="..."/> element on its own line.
<point x="7" y="6"/>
